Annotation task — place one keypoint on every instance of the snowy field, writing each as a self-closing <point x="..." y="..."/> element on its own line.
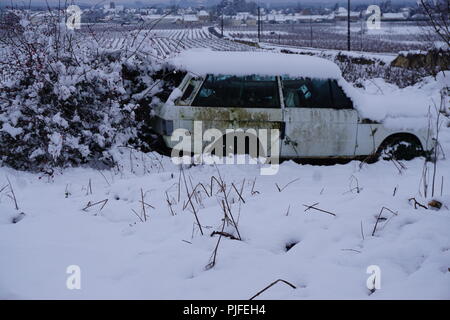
<point x="133" y="231"/>
<point x="165" y="257"/>
<point x="390" y="38"/>
<point x="163" y="43"/>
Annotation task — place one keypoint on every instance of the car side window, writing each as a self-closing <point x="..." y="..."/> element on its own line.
<point x="341" y="100"/>
<point x="238" y="91"/>
<point x="306" y="93"/>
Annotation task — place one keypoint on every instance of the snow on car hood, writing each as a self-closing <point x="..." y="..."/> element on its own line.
<point x="205" y="61"/>
<point x="407" y="108"/>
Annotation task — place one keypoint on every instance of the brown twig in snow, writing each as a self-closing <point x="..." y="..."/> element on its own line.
<point x="105" y="178"/>
<point x="89" y="188"/>
<point x="314" y="207"/>
<point x="395" y="191"/>
<point x="192" y="205"/>
<point x="362" y="230"/>
<point x="213" y="178"/>
<point x="6" y="186"/>
<point x="253" y="191"/>
<point x="224" y="234"/>
<point x="13" y="197"/>
<point x="90" y="205"/>
<point x="272" y="284"/>
<point x="143" y="205"/>
<point x="287" y="213"/>
<point x="239" y="194"/>
<point x="379" y="218"/>
<point x="351" y="250"/>
<point x="170" y="204"/>
<point x="214" y="255"/>
<point x="231" y="214"/>
<point x="281" y="189"/>
<point x="137" y="215"/>
<point x="416" y="203"/>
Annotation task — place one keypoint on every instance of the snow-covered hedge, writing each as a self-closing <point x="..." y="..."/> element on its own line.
<point x="63" y="102"/>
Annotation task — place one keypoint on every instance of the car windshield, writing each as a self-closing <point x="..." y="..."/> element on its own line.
<point x="238" y="91"/>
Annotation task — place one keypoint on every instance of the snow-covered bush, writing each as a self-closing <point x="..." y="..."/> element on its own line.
<point x="65" y="101"/>
<point x="356" y="69"/>
<point x="432" y="61"/>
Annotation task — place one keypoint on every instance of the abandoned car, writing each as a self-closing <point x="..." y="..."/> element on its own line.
<point x="305" y="98"/>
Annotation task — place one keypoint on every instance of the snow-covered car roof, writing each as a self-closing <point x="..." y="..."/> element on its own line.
<point x="202" y="62"/>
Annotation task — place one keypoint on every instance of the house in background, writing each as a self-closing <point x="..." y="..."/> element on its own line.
<point x="341" y="14"/>
<point x="203" y="16"/>
<point x="394" y="16"/>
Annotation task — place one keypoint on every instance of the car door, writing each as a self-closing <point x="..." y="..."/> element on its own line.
<point x="319" y="118"/>
<point x="230" y="102"/>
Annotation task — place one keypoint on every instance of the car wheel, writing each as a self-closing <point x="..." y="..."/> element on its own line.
<point x="400" y="148"/>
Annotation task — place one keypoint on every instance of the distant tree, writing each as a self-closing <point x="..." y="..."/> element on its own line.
<point x="386" y="6"/>
<point x="437" y="12"/>
<point x="336" y="7"/>
<point x="231" y="7"/>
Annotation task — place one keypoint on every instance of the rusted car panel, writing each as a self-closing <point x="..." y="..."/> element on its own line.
<point x="320" y="132"/>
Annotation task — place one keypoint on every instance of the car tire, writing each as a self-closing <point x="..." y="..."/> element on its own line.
<point x="400" y="148"/>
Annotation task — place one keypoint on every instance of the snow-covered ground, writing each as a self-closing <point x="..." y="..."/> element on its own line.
<point x="165" y="257"/>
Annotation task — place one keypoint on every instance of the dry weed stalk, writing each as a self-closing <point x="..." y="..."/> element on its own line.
<point x="379" y="218"/>
<point x="272" y="284"/>
<point x="281" y="189"/>
<point x="313" y="206"/>
<point x="90" y="205"/>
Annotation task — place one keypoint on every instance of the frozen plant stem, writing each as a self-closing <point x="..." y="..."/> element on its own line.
<point x="281" y="189"/>
<point x="214" y="256"/>
<point x="89" y="188"/>
<point x="13" y="197"/>
<point x="379" y="218"/>
<point x="90" y="205"/>
<point x="229" y="209"/>
<point x="192" y="205"/>
<point x="313" y="207"/>
<point x="272" y="284"/>
<point x="143" y="205"/>
<point x="416" y="203"/>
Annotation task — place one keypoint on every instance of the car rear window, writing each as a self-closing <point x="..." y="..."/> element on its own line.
<point x="238" y="91"/>
<point x="341" y="101"/>
<point x="314" y="93"/>
<point x="306" y="93"/>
